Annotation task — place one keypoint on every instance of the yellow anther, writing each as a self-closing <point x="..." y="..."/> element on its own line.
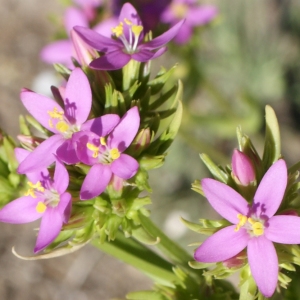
<point x="62" y="126"/>
<point x="55" y="114"/>
<point x="40" y="207"/>
<point x="118" y="30"/>
<point x="38" y="186"/>
<point x="242" y="222"/>
<point x="128" y="22"/>
<point x="114" y="153"/>
<point x="137" y="29"/>
<point x="93" y="148"/>
<point x="258" y="228"/>
<point x="102" y="141"/>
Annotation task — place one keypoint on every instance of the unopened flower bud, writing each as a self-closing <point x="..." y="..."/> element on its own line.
<point x="242" y="168"/>
<point x="236" y="261"/>
<point x="141" y="141"/>
<point x="29" y="142"/>
<point x="84" y="53"/>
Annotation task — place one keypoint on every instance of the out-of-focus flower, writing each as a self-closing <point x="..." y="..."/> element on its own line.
<point x="62" y="51"/>
<point x="63" y="122"/>
<point x="89" y="7"/>
<point x="253" y="227"/>
<point x="127" y="42"/>
<point x="242" y="168"/>
<point x="45" y="198"/>
<point x="105" y="154"/>
<point x="194" y="14"/>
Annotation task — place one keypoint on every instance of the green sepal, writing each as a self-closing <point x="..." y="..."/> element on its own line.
<point x="248" y="289"/>
<point x="148" y="162"/>
<point x="207" y="227"/>
<point x="272" y="147"/>
<point x="217" y="172"/>
<point x="196" y="187"/>
<point x="143" y="236"/>
<point x="63" y="71"/>
<point x="24" y="129"/>
<point x="199" y="265"/>
<point x="9" y="146"/>
<point x="160" y="79"/>
<point x="35" y="124"/>
<point x="145" y="295"/>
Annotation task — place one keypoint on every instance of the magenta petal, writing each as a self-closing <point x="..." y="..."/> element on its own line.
<point x="283" y="229"/>
<point x="42" y="156"/>
<point x="78" y="97"/>
<point x="50" y="228"/>
<point x="124" y="133"/>
<point x="61" y="177"/>
<point x="57" y="52"/>
<point x="21" y="210"/>
<point x="225" y="200"/>
<point x="125" y="166"/>
<point x="201" y="15"/>
<point x="98" y="41"/>
<point x="39" y="106"/>
<point x="64" y="206"/>
<point x="222" y="245"/>
<point x="95" y="181"/>
<point x="113" y="60"/>
<point x="271" y="189"/>
<point x="102" y="126"/>
<point x="74" y="17"/>
<point x="164" y="38"/>
<point x="263" y="263"/>
<point x="143" y="56"/>
<point x="67" y="153"/>
<point x="130" y="13"/>
<point x="159" y="52"/>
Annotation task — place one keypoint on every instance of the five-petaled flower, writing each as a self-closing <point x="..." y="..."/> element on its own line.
<point x="77" y="99"/>
<point x="46" y="198"/>
<point x="127" y="41"/>
<point x="104" y="153"/>
<point x="254" y="227"/>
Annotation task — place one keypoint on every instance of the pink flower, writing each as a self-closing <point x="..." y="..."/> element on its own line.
<point x="46" y="198"/>
<point x="254" y="227"/>
<point x="62" y="122"/>
<point x="127" y="42"/>
<point x="105" y="154"/>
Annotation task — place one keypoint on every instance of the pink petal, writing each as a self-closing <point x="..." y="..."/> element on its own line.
<point x="263" y="263"/>
<point x="67" y="153"/>
<point x="201" y="15"/>
<point x="113" y="60"/>
<point x="124" y="133"/>
<point x="105" y="26"/>
<point x="98" y="41"/>
<point x="39" y="106"/>
<point x="222" y="245"/>
<point x="143" y="56"/>
<point x="21" y="210"/>
<point x="225" y="200"/>
<point x="78" y="97"/>
<point x="102" y="126"/>
<point x="74" y="17"/>
<point x="130" y="13"/>
<point x="184" y="34"/>
<point x="125" y="166"/>
<point x="95" y="181"/>
<point x="164" y="38"/>
<point x="65" y="206"/>
<point x="61" y="177"/>
<point x="58" y="52"/>
<point x="271" y="189"/>
<point x="50" y="228"/>
<point x="283" y="229"/>
<point x="42" y="156"/>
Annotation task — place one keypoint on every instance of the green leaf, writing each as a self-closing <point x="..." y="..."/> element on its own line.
<point x="145" y="295"/>
<point x="272" y="148"/>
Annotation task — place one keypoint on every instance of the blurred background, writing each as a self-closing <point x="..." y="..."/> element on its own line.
<point x="247" y="57"/>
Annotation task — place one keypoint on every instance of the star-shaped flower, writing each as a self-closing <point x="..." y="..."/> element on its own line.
<point x="254" y="227"/>
<point x="46" y="198"/>
<point x="127" y="41"/>
<point x="105" y="154"/>
<point x="63" y="122"/>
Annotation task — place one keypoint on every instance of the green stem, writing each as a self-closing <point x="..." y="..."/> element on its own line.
<point x="139" y="256"/>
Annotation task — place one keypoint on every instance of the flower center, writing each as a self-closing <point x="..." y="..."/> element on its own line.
<point x="51" y="197"/>
<point x="60" y="123"/>
<point x="254" y="227"/>
<point x="134" y="34"/>
<point x="103" y="153"/>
